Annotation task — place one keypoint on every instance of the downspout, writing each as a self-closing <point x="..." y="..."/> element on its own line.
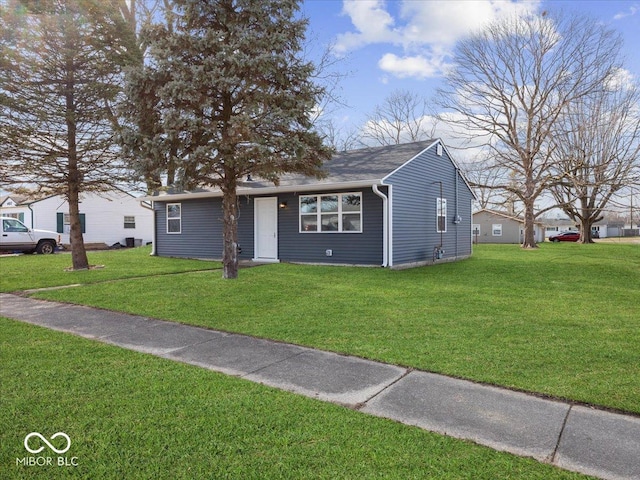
<point x="385" y="225"/>
<point x="155" y="228"/>
<point x="457" y="219"/>
<point x="390" y="219"/>
<point x="32" y="215"/>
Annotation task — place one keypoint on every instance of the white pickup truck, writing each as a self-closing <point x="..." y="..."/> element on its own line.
<point x="17" y="237"/>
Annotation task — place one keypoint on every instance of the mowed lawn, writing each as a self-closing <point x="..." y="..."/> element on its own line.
<point x="134" y="416"/>
<point x="562" y="320"/>
<point x="25" y="272"/>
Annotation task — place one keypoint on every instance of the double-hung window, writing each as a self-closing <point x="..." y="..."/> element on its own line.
<point x="441" y="215"/>
<point x="331" y="213"/>
<point x="174" y="218"/>
<point x="496" y="230"/>
<point x="63" y="222"/>
<point x="129" y="221"/>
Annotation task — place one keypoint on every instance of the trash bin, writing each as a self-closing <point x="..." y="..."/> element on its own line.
<point x="129" y="242"/>
<point x="137" y="242"/>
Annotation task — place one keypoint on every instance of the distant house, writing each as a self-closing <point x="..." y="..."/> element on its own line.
<point x="553" y="226"/>
<point x="601" y="229"/>
<point x="393" y="206"/>
<point x="490" y="226"/>
<point x="109" y="218"/>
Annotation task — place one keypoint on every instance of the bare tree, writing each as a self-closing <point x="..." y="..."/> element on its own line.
<point x="401" y="118"/>
<point x="338" y="138"/>
<point x="597" y="147"/>
<point x="513" y="81"/>
<point x="481" y="178"/>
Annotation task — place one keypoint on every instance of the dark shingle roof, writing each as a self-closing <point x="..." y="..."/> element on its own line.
<point x="345" y="169"/>
<point x="364" y="164"/>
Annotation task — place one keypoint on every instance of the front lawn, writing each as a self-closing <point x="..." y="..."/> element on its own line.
<point x="135" y="416"/>
<point x="24" y="272"/>
<point x="561" y="320"/>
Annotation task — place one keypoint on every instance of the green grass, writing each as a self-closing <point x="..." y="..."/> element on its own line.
<point x="561" y="320"/>
<point x="131" y="415"/>
<point x="39" y="271"/>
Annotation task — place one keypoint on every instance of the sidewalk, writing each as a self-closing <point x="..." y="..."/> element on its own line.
<point x="572" y="437"/>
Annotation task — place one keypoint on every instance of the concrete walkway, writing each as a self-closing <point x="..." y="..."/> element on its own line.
<point x="572" y="437"/>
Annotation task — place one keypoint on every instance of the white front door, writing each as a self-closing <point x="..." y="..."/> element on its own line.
<point x="266" y="228"/>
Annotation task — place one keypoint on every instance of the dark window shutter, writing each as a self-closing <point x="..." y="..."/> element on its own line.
<point x="21" y="217"/>
<point x="60" y="222"/>
<point x="83" y="223"/>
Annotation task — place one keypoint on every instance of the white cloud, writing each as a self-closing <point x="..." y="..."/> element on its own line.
<point x="416" y="66"/>
<point x="423" y="33"/>
<point x="372" y="22"/>
<point x="633" y="9"/>
<point x="622" y="79"/>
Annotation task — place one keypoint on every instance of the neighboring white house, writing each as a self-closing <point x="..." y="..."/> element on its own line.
<point x="601" y="229"/>
<point x="110" y="217"/>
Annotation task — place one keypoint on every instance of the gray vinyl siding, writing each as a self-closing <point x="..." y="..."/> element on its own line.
<point x="415" y="189"/>
<point x="201" y="235"/>
<point x="510" y="228"/>
<point x="348" y="248"/>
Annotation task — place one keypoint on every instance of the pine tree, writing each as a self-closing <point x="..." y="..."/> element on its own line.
<point x="233" y="97"/>
<point x="60" y="77"/>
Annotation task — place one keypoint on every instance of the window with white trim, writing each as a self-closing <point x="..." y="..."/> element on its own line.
<point x="129" y="221"/>
<point x="441" y="215"/>
<point x="66" y="223"/>
<point x="174" y="218"/>
<point x="496" y="230"/>
<point x="331" y="213"/>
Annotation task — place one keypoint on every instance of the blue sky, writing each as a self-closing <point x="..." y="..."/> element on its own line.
<point x="404" y="44"/>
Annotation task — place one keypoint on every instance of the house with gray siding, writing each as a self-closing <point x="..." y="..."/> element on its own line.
<point x="490" y="226"/>
<point x="392" y="206"/>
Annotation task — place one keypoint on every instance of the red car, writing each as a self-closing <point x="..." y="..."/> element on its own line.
<point x="565" y="237"/>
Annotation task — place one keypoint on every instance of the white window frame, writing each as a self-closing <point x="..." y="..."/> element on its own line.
<point x="178" y="218"/>
<point x="66" y="223"/>
<point x="496" y="227"/>
<point x="441" y="212"/>
<point x="319" y="214"/>
<point x="131" y="222"/>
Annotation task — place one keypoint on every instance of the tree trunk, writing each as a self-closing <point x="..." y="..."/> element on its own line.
<point x="74" y="179"/>
<point x="529" y="240"/>
<point x="230" y="230"/>
<point x="79" y="258"/>
<point x="585" y="231"/>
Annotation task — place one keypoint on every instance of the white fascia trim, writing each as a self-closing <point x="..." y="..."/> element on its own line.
<point x="312" y="187"/>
